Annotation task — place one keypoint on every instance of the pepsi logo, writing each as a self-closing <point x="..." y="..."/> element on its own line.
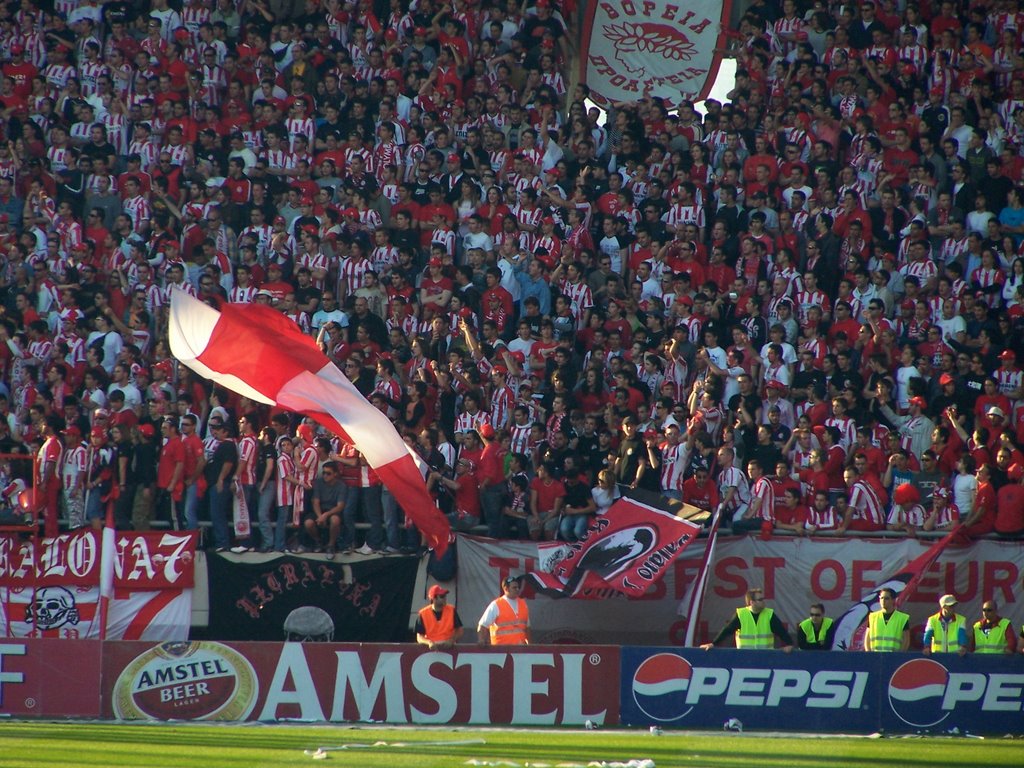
<point x="659" y="687"/>
<point x="916" y="691"/>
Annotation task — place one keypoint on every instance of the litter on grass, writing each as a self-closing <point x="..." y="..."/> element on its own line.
<point x="320" y="753"/>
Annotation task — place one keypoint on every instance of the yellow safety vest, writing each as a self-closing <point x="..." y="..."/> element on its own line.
<point x="510" y="627"/>
<point x="887" y="635"/>
<point x="993" y="641"/>
<point x="946" y="639"/>
<point x="755" y="632"/>
<point x="807" y="627"/>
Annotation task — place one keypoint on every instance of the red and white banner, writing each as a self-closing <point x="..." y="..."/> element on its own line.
<point x="56" y="593"/>
<point x="262" y="355"/>
<point x="633" y="48"/>
<point x="627" y="549"/>
<point x="793" y="572"/>
<point x="142" y="561"/>
<point x="851" y="626"/>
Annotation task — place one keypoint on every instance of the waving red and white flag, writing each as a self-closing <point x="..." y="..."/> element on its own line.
<point x="261" y="354"/>
<point x="626" y="549"/>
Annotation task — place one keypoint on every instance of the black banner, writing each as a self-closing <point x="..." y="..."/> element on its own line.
<point x="369" y="601"/>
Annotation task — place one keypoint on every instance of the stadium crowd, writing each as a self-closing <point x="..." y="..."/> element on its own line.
<point x="799" y="310"/>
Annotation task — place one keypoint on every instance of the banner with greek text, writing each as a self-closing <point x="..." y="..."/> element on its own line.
<point x="633" y="48"/>
<point x="368" y="600"/>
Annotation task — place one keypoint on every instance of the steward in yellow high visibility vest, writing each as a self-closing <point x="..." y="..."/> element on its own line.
<point x="816" y="632"/>
<point x="993" y="633"/>
<point x="945" y="631"/>
<point x="754" y="627"/>
<point x="888" y="629"/>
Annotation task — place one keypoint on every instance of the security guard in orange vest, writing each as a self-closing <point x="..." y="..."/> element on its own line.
<point x="993" y="633"/>
<point x="754" y="626"/>
<point x="438" y="625"/>
<point x="506" y="621"/>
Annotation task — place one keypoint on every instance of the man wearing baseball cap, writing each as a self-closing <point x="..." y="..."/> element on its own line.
<point x="438" y="625"/>
<point x="945" y="631"/>
<point x="506" y="621"/>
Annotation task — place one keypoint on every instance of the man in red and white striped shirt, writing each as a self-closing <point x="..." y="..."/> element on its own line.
<point x="521" y="430"/>
<point x="245" y="473"/>
<point x="865" y="511"/>
<point x="672" y="458"/>
<point x="762" y="501"/>
<point x="136" y="206"/>
<point x="502" y="398"/>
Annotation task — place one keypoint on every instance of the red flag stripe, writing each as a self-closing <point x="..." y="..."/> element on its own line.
<point x="256" y="351"/>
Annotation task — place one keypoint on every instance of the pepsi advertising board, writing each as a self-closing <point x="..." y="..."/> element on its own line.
<point x="850" y="692"/>
<point x="975" y="694"/>
<point x="688" y="688"/>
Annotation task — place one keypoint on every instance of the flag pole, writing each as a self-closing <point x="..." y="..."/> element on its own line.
<point x="106" y="568"/>
<point x="697" y="595"/>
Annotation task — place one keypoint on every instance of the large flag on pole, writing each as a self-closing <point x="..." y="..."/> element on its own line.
<point x="627" y="549"/>
<point x="851" y="625"/>
<point x="699" y="587"/>
<point x="261" y="354"/>
<point x="671" y="50"/>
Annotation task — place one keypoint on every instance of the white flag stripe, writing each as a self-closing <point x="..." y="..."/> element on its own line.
<point x="331" y="373"/>
<point x="369" y="429"/>
<point x="189" y="330"/>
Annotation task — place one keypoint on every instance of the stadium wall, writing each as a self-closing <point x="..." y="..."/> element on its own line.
<point x="535" y="686"/>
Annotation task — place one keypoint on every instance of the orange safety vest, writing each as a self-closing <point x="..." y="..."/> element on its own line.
<point x="437" y="630"/>
<point x="510" y="627"/>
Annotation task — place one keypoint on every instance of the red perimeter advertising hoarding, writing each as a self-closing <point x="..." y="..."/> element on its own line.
<point x="50" y="678"/>
<point x="205" y="680"/>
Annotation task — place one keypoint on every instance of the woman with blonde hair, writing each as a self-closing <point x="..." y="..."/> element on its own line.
<point x="606" y="492"/>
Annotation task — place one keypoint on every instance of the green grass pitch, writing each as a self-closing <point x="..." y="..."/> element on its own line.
<point x="82" y="745"/>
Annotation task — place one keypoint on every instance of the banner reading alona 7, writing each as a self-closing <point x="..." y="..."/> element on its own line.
<point x="637" y="47"/>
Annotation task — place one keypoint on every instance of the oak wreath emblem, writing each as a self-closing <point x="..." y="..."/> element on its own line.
<point x="646" y="38"/>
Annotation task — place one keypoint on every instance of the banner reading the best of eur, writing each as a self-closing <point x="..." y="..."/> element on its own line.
<point x="666" y="49"/>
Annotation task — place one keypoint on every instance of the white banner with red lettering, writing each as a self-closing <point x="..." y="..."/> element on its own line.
<point x="793" y="572"/>
<point x="633" y="48"/>
<point x="56" y="592"/>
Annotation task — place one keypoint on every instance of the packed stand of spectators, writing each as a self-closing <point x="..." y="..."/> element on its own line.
<point x="797" y="311"/>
